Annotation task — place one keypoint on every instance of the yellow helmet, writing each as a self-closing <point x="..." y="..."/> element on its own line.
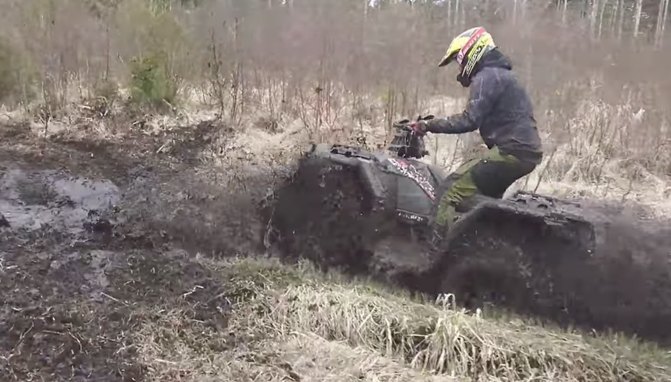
<point x="467" y="49"/>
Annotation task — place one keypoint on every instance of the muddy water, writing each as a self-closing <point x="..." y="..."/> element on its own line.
<point x="33" y="200"/>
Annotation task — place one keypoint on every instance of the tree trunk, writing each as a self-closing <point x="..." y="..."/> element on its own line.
<point x="661" y="22"/>
<point x="604" y="3"/>
<point x="620" y="23"/>
<point x="594" y="12"/>
<point x="664" y="18"/>
<point x="637" y="17"/>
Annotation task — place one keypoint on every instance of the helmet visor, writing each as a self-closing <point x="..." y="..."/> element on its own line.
<point x="447" y="59"/>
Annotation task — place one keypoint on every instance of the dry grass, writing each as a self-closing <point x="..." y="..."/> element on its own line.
<point x="304" y="357"/>
<point x="293" y="324"/>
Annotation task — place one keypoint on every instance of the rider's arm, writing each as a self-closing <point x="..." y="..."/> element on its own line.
<point x="485" y="90"/>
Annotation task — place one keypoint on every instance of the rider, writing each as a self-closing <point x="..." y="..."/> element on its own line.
<point x="501" y="109"/>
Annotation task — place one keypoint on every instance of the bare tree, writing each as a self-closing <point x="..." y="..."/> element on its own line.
<point x="661" y="22"/>
<point x="637" y="17"/>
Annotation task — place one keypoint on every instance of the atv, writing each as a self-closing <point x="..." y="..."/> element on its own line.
<point x="369" y="212"/>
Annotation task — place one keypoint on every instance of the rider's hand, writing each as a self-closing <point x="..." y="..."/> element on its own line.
<point x="419" y="127"/>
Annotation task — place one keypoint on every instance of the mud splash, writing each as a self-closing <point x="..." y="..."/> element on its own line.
<point x="57" y="200"/>
<point x="579" y="264"/>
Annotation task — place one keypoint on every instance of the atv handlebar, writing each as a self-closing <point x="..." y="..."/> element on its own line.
<point x="407" y="143"/>
<point x="405" y="123"/>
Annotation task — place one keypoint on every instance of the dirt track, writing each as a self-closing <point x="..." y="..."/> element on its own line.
<point x="100" y="236"/>
<point x="91" y="245"/>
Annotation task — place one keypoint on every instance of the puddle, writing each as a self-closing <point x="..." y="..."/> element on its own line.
<point x="32" y="200"/>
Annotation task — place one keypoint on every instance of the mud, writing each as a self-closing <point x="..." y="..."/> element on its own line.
<point x="69" y="314"/>
<point x="33" y="200"/>
<point x="98" y="236"/>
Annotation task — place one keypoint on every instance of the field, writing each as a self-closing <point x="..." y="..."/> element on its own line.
<point x="137" y="144"/>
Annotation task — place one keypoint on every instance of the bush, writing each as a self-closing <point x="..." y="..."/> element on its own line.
<point x="159" y="51"/>
<point x="150" y="81"/>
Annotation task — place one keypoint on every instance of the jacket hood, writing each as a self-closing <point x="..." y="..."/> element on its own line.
<point x="493" y="59"/>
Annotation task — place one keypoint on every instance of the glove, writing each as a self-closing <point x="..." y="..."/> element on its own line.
<point x="419" y="127"/>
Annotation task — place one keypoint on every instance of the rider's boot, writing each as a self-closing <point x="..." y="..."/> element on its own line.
<point x="441" y="226"/>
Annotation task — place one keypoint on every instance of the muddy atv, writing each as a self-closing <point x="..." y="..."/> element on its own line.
<point x="369" y="212"/>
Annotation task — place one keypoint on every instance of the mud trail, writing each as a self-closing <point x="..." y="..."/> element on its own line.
<point x="91" y="238"/>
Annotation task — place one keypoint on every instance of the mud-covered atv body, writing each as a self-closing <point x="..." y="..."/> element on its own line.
<point x="343" y="200"/>
<point x="370" y="212"/>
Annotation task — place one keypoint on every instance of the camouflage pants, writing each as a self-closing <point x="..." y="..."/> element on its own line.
<point x="490" y="175"/>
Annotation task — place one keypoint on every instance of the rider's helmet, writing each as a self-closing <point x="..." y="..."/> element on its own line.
<point x="467" y="49"/>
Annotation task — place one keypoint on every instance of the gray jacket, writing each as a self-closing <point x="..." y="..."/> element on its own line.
<point x="500" y="107"/>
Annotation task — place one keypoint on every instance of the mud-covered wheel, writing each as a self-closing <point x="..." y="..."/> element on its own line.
<point x="515" y="254"/>
<point x="323" y="214"/>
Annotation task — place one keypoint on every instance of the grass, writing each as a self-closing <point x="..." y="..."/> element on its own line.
<point x="295" y="324"/>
